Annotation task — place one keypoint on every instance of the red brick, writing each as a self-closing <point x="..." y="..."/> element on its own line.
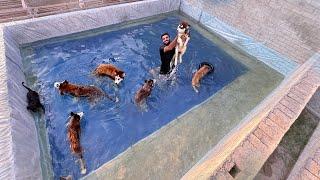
<point x="274" y="126"/>
<point x="291" y="104"/>
<point x="313" y="167"/>
<point x="241" y="154"/>
<point x="296" y="97"/>
<point x="263" y="137"/>
<point x="285" y="110"/>
<point x="315" y="80"/>
<point x="258" y="144"/>
<point x="299" y="93"/>
<point x="306" y="83"/>
<point x="316" y="156"/>
<point x="272" y="131"/>
<point x="228" y="165"/>
<point x="306" y="175"/>
<point x="222" y="176"/>
<point x="311" y="74"/>
<point x="303" y="89"/>
<point x="279" y="119"/>
<point x="282" y="115"/>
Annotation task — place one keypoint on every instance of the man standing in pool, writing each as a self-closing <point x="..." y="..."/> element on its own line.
<point x="167" y="51"/>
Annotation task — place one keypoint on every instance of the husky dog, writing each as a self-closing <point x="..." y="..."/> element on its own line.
<point x="111" y="71"/>
<point x="183" y="38"/>
<point x="92" y="92"/>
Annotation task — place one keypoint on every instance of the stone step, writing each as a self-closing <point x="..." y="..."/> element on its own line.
<point x="10" y="4"/>
<point x="12" y="9"/>
<point x="13" y="14"/>
<point x="54" y="9"/>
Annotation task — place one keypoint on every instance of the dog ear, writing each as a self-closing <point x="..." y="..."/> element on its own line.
<point x="122" y="74"/>
<point x="72" y="114"/>
<point x="145" y="81"/>
<point x="65" y="82"/>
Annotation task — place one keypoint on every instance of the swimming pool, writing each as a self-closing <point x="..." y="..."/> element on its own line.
<point x="110" y="128"/>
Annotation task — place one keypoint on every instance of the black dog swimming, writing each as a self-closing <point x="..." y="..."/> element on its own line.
<point x="33" y="100"/>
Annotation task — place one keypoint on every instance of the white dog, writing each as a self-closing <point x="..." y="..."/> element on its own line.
<point x="182" y="41"/>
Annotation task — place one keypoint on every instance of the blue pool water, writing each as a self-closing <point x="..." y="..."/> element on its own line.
<point x="110" y="128"/>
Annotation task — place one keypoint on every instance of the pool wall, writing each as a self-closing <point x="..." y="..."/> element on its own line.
<point x="20" y="156"/>
<point x="288" y="27"/>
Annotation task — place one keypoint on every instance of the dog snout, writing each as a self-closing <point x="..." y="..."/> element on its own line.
<point x="117" y="79"/>
<point x="80" y="114"/>
<point x="57" y="85"/>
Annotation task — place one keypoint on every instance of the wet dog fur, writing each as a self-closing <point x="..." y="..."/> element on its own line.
<point x="111" y="71"/>
<point x="144" y="91"/>
<point x="203" y="70"/>
<point x="73" y="134"/>
<point x="33" y="100"/>
<point x="92" y="92"/>
<point x="183" y="38"/>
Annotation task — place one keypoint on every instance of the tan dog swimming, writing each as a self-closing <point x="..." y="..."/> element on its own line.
<point x="203" y="70"/>
<point x="111" y="71"/>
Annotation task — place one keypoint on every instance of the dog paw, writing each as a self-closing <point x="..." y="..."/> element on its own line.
<point x="83" y="171"/>
<point x="195" y="89"/>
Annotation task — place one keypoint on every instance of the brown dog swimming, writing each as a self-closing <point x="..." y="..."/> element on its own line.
<point x="92" y="92"/>
<point x="144" y="91"/>
<point x="73" y="133"/>
<point x="204" y="69"/>
<point x="111" y="71"/>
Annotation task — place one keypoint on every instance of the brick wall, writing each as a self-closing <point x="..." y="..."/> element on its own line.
<point x="250" y="145"/>
<point x="289" y="27"/>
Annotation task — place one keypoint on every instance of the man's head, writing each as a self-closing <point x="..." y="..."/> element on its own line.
<point x="165" y="38"/>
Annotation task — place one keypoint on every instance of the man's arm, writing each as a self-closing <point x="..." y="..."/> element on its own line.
<point x="171" y="45"/>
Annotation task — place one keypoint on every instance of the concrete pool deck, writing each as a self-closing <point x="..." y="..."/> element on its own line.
<point x="20" y="153"/>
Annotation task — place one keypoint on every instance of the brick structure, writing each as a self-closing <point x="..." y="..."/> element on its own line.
<point x="289" y="27"/>
<point x="249" y="153"/>
<point x="11" y="10"/>
<point x="308" y="164"/>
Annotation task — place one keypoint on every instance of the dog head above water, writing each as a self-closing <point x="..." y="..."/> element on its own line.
<point x="119" y="77"/>
<point x="144" y="91"/>
<point x="78" y="115"/>
<point x="59" y="85"/>
<point x="149" y="83"/>
<point x="183" y="27"/>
